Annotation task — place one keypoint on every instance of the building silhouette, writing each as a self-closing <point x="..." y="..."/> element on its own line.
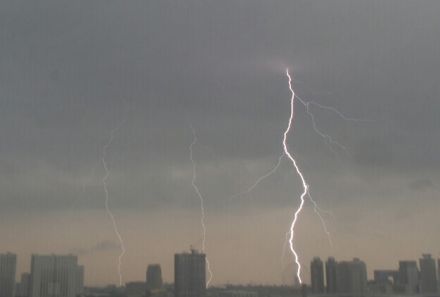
<point x="55" y="276"/>
<point x="351" y="278"/>
<point x="8" y="267"/>
<point x="154" y="277"/>
<point x="408" y="276"/>
<point x="438" y="270"/>
<point x="330" y="275"/>
<point x="80" y="280"/>
<point x="190" y="274"/>
<point x="317" y="275"/>
<point x="428" y="275"/>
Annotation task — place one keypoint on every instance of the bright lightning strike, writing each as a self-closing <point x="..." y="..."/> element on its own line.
<point x="202" y="207"/>
<point x="107" y="207"/>
<point x="329" y="140"/>
<point x="300" y="174"/>
<point x="306" y="191"/>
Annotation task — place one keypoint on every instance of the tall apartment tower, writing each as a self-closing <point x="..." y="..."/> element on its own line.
<point x="330" y="275"/>
<point x="409" y="276"/>
<point x="317" y="275"/>
<point x="428" y="275"/>
<point x="56" y="276"/>
<point x="190" y="274"/>
<point x="352" y="278"/>
<point x="8" y="267"/>
<point x="154" y="277"/>
<point x="79" y="280"/>
<point x="438" y="270"/>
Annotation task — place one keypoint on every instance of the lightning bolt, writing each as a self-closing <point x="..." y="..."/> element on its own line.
<point x="306" y="190"/>
<point x="202" y="207"/>
<point x="107" y="202"/>
<point x="328" y="139"/>
<point x="301" y="176"/>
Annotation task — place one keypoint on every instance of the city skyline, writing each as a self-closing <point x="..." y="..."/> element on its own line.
<point x="98" y="100"/>
<point x="322" y="279"/>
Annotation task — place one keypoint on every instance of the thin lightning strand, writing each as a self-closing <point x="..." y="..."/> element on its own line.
<point x="107" y="207"/>
<point x="261" y="178"/>
<point x="303" y="181"/>
<point x="318" y="211"/>
<point x="340" y="114"/>
<point x="332" y="109"/>
<point x="202" y="207"/>
<point x="196" y="189"/>
<point x="327" y="137"/>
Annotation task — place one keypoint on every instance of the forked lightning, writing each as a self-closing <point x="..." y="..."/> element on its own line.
<point x="107" y="206"/>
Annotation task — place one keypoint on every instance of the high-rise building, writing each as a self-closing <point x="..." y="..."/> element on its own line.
<point x="56" y="276"/>
<point x="22" y="288"/>
<point x="154" y="277"/>
<point x="409" y="276"/>
<point x="190" y="274"/>
<point x="330" y="275"/>
<point x="8" y="266"/>
<point x="343" y="277"/>
<point x="80" y="280"/>
<point x="438" y="270"/>
<point x="428" y="275"/>
<point x="351" y="278"/>
<point x="317" y="275"/>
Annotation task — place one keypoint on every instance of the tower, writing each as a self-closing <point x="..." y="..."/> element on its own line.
<point x="190" y="274"/>
<point x="154" y="277"/>
<point x="8" y="266"/>
<point x="317" y="275"/>
<point x="55" y="276"/>
<point x="351" y="278"/>
<point x="409" y="276"/>
<point x="330" y="275"/>
<point x="428" y="275"/>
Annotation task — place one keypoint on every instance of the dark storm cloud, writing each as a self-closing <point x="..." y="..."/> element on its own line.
<point x="71" y="71"/>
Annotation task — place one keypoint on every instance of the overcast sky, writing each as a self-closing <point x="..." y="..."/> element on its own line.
<point x="72" y="71"/>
